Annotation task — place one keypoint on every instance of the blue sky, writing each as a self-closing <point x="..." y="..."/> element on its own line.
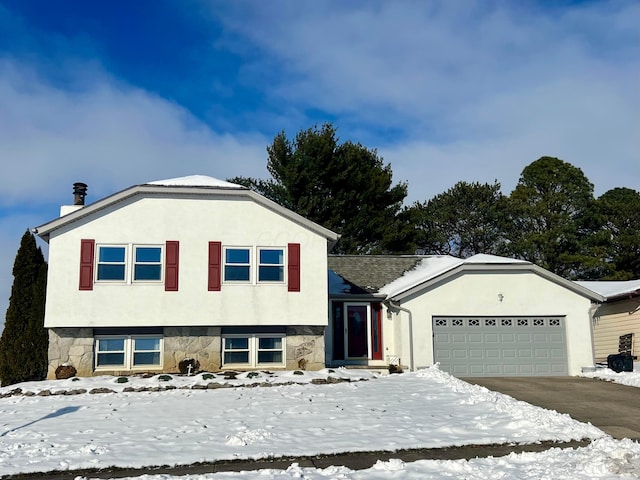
<point x="116" y="93"/>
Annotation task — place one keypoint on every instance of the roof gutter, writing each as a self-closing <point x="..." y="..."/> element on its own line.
<point x="390" y="304"/>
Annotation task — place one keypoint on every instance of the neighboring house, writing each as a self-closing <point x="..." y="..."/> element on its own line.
<point x="192" y="267"/>
<point x="617" y="316"/>
<point x="482" y="316"/>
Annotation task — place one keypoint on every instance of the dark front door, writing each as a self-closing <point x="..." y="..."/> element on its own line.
<point x="357" y="331"/>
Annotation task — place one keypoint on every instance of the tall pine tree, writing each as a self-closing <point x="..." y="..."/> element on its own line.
<point x="465" y="220"/>
<point x="619" y="211"/>
<point x="548" y="218"/>
<point x="345" y="187"/>
<point x="24" y="341"/>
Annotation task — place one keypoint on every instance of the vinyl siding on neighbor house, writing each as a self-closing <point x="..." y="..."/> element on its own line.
<point x="613" y="320"/>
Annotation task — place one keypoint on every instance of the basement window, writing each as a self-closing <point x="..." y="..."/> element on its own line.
<point x="263" y="350"/>
<point x="128" y="352"/>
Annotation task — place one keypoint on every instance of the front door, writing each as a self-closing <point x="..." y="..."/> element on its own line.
<point x="357" y="331"/>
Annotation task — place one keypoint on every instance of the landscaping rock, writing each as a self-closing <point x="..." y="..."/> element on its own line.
<point x="65" y="371"/>
<point x="214" y="385"/>
<point x="101" y="390"/>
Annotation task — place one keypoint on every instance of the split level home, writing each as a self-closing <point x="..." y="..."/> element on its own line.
<point x="186" y="268"/>
<point x="198" y="268"/>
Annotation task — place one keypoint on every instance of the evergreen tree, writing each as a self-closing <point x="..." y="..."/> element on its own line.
<point x="619" y="214"/>
<point x="24" y="340"/>
<point x="342" y="186"/>
<point x="549" y="213"/>
<point x="465" y="220"/>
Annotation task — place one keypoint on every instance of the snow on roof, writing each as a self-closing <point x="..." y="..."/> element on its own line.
<point x="427" y="268"/>
<point x="195" y="181"/>
<point x="485" y="258"/>
<point x="612" y="289"/>
<point x="435" y="265"/>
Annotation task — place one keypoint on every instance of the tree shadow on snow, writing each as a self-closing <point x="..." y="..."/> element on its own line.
<point x="57" y="413"/>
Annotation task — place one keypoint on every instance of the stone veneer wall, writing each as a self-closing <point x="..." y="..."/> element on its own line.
<point x="200" y="343"/>
<point x="305" y="348"/>
<point x="74" y="346"/>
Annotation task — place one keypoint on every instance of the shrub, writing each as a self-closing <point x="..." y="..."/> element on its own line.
<point x="183" y="366"/>
<point x="208" y="376"/>
<point x="298" y="372"/>
<point x="122" y="380"/>
<point x="165" y="378"/>
<point x="395" y="368"/>
<point x="253" y="374"/>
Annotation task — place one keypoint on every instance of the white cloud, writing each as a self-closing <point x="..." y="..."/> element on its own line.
<point x="474" y="91"/>
<point x="101" y="132"/>
<point x="106" y="134"/>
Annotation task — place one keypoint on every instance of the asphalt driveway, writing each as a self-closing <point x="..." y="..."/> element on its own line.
<point x="611" y="407"/>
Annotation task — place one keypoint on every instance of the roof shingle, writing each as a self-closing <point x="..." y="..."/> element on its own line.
<point x="372" y="272"/>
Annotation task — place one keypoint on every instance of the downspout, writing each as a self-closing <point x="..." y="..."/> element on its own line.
<point x="408" y="312"/>
<point x="593" y="310"/>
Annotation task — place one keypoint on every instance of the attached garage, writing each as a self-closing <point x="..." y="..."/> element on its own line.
<point x="500" y="346"/>
<point x="489" y="316"/>
<point x="480" y="316"/>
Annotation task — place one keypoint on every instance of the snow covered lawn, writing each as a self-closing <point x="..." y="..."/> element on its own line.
<point x="426" y="409"/>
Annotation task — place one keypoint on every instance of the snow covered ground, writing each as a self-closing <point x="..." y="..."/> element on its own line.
<point x="184" y="425"/>
<point x="626" y="378"/>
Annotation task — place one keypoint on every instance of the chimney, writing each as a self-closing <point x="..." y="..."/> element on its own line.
<point x="79" y="192"/>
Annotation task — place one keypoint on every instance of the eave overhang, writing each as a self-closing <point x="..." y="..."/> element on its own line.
<point x="520" y="267"/>
<point x="147" y="190"/>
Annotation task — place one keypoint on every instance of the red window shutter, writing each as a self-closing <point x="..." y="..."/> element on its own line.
<point x="172" y="250"/>
<point x="215" y="266"/>
<point x="87" y="249"/>
<point x="294" y="267"/>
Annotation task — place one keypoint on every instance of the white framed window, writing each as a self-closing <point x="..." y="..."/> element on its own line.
<point x="259" y="350"/>
<point x="237" y="264"/>
<point x="112" y="263"/>
<point x="110" y="352"/>
<point x="128" y="352"/>
<point x="240" y="267"/>
<point x="129" y="263"/>
<point x="270" y="264"/>
<point x="147" y="263"/>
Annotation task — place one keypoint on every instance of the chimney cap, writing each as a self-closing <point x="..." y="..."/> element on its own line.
<point x="79" y="193"/>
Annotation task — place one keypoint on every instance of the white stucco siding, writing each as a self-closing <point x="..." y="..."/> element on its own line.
<point x="477" y="294"/>
<point x="193" y="222"/>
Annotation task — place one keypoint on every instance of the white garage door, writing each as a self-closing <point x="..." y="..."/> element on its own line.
<point x="500" y="346"/>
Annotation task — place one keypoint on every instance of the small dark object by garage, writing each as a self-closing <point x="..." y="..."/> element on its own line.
<point x="620" y="362"/>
